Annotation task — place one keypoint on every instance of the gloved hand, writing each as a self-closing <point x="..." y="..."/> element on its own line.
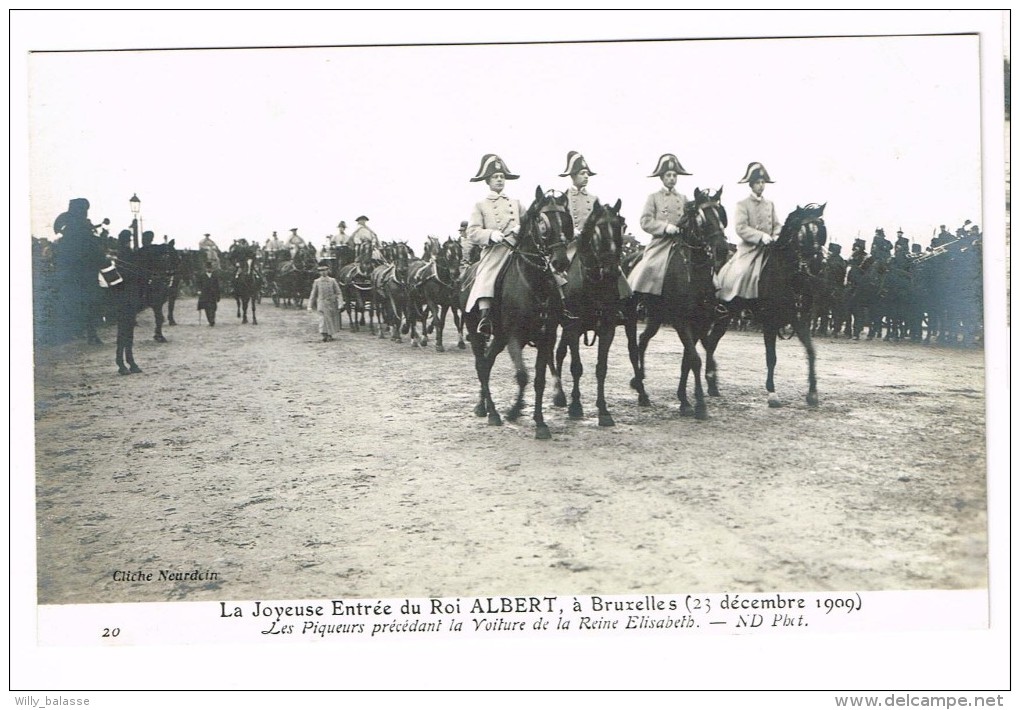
<point x="496" y="237"/>
<point x="766" y="239"/>
<point x="671" y="229"/>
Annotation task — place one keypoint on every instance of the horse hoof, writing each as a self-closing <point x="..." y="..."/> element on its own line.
<point x="686" y="410"/>
<point x="713" y="392"/>
<point x="440" y="348"/>
<point x="494" y="420"/>
<point x="480" y="409"/>
<point x="575" y="412"/>
<point x="606" y="420"/>
<point x="123" y="371"/>
<point x="513" y="415"/>
<point x="774" y="402"/>
<point x="462" y="345"/>
<point x="701" y="413"/>
<point x="171" y="322"/>
<point x="643" y="401"/>
<point x="159" y="338"/>
<point x="560" y="400"/>
<point x="134" y="369"/>
<point x="542" y="432"/>
<point x="812" y="399"/>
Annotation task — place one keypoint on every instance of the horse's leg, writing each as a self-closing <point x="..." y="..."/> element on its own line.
<point x="439" y="325"/>
<point x="542" y="360"/>
<point x="458" y="320"/>
<point x="607" y="332"/>
<point x="237" y="300"/>
<point x="690" y="336"/>
<point x="711" y="341"/>
<point x="170" y="303"/>
<point x="157" y="312"/>
<point x="254" y="320"/>
<point x="559" y="398"/>
<point x="637" y="356"/>
<point x="485" y="358"/>
<point x="575" y="411"/>
<point x="121" y="344"/>
<point x="515" y="349"/>
<point x="804" y="334"/>
<point x="770" y="331"/>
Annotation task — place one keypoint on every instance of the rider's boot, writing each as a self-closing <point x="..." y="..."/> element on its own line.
<point x="484" y="322"/>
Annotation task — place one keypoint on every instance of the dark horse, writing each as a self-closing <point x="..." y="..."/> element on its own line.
<point x="526" y="306"/>
<point x="688" y="302"/>
<point x="159" y="265"/>
<point x="247" y="286"/>
<point x="390" y="294"/>
<point x="435" y="291"/>
<point x="594" y="297"/>
<point x="789" y="286"/>
<point x="355" y="280"/>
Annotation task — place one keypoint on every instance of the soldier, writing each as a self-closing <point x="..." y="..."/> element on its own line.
<point x="943" y="237"/>
<point x="757" y="226"/>
<point x="660" y="216"/>
<point x="835" y="269"/>
<point x="881" y="248"/>
<point x="469" y="252"/>
<point x="580" y="203"/>
<point x="494" y="225"/>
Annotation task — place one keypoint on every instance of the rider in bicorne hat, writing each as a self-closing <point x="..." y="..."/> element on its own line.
<point x="660" y="217"/>
<point x="757" y="225"/>
<point x="580" y="203"/>
<point x="494" y="225"/>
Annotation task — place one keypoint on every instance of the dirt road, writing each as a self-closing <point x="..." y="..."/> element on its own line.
<point x="296" y="469"/>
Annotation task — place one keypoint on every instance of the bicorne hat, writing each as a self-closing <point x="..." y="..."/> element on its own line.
<point x="755" y="171"/>
<point x="492" y="164"/>
<point x="362" y="218"/>
<point x="668" y="162"/>
<point x="575" y="164"/>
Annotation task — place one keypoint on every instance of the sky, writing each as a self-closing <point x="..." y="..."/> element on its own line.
<point x="238" y="143"/>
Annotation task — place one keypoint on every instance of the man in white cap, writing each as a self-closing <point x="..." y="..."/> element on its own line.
<point x="757" y="226"/>
<point x="660" y="218"/>
<point x="580" y="203"/>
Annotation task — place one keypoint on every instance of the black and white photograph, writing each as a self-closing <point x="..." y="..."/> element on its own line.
<point x="604" y="318"/>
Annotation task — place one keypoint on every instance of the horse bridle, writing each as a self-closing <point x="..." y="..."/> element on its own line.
<point x="606" y="219"/>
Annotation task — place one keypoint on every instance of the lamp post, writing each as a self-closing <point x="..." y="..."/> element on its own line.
<point x="136" y="206"/>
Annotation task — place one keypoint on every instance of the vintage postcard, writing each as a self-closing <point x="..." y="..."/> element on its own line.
<point x="266" y="414"/>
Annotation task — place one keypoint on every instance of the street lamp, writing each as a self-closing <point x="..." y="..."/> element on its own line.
<point x="136" y="206"/>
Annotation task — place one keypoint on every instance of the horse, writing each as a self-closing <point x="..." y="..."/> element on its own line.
<point x="526" y="308"/>
<point x="355" y="281"/>
<point x="592" y="287"/>
<point x="434" y="288"/>
<point x="389" y="293"/>
<point x="687" y="302"/>
<point x="158" y="263"/>
<point x="247" y="286"/>
<point x="788" y="289"/>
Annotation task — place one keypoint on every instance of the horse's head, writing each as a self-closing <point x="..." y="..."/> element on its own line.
<point x="803" y="232"/>
<point x="547" y="227"/>
<point x="448" y="260"/>
<point x="600" y="246"/>
<point x="703" y="225"/>
<point x="431" y="249"/>
<point x="401" y="261"/>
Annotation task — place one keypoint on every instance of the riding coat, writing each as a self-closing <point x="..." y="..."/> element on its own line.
<point x="327" y="299"/>
<point x="661" y="208"/>
<point x="495" y="212"/>
<point x="755" y="218"/>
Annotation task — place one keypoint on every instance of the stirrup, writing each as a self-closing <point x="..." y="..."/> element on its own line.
<point x="721" y="311"/>
<point x="568" y="315"/>
<point x="485" y="326"/>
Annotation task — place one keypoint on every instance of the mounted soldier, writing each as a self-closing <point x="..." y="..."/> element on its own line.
<point x="580" y="204"/>
<point x="79" y="256"/>
<point x="757" y="225"/>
